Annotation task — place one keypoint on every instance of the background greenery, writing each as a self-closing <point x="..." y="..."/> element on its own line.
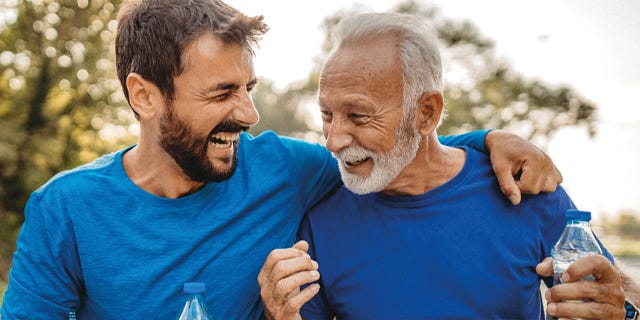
<point x="61" y="104"/>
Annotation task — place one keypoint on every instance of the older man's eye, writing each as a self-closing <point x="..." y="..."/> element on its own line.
<point x="358" y="117"/>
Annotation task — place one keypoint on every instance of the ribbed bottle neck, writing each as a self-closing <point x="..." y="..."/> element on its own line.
<point x="579" y="223"/>
<point x="195" y="296"/>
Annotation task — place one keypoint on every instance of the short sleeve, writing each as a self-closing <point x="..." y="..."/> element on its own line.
<point x="474" y="139"/>
<point x="313" y="169"/>
<point x="43" y="282"/>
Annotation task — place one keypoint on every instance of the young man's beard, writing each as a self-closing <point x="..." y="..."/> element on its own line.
<point x="190" y="151"/>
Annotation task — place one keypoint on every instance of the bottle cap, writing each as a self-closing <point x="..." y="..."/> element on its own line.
<point x="194" y="287"/>
<point x="578" y="215"/>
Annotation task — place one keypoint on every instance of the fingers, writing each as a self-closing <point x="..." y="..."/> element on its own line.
<point x="293" y="305"/>
<point x="520" y="166"/>
<point x="595" y="265"/>
<point x="539" y="174"/>
<point x="506" y="179"/>
<point x="285" y="286"/>
<point x="510" y="189"/>
<point x="583" y="290"/>
<point x="301" y="245"/>
<point x="604" y="296"/>
<point x="287" y="275"/>
<point x="554" y="179"/>
<point x="275" y="256"/>
<point x="535" y="174"/>
<point x="545" y="268"/>
<point x="585" y="310"/>
<point x="284" y="271"/>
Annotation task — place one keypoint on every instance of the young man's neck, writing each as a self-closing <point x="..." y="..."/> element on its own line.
<point x="155" y="171"/>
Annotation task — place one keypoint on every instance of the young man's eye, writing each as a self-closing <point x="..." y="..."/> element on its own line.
<point x="251" y="85"/>
<point x="223" y="95"/>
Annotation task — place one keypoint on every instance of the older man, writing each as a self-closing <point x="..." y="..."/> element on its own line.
<point x="419" y="230"/>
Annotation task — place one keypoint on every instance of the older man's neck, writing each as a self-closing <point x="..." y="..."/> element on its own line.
<point x="433" y="166"/>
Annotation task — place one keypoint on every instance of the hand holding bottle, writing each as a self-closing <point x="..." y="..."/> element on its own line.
<point x="604" y="298"/>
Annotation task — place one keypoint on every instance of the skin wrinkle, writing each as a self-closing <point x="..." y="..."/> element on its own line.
<point x="363" y="115"/>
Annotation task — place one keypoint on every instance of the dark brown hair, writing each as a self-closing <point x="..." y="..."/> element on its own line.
<point x="152" y="35"/>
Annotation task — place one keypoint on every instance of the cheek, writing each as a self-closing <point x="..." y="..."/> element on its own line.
<point x="203" y="122"/>
<point x="377" y="139"/>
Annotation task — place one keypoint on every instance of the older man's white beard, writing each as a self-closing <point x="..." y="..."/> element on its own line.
<point x="386" y="166"/>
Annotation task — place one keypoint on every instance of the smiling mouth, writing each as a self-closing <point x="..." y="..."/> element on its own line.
<point x="224" y="140"/>
<point x="356" y="163"/>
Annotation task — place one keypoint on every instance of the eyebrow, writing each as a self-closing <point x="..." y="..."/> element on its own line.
<point x="224" y="86"/>
<point x="230" y="86"/>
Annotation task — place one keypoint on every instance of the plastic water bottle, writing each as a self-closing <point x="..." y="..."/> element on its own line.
<point x="195" y="307"/>
<point x="577" y="241"/>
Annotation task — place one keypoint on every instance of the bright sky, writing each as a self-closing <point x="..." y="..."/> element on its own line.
<point x="591" y="45"/>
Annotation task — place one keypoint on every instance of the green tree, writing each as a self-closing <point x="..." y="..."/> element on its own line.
<point x="61" y="103"/>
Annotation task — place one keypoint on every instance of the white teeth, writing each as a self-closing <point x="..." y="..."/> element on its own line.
<point x="353" y="155"/>
<point x="226" y="136"/>
<point x="356" y="161"/>
<point x="223" y="140"/>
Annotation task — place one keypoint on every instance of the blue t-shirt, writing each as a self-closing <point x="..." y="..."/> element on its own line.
<point x="95" y="242"/>
<point x="459" y="251"/>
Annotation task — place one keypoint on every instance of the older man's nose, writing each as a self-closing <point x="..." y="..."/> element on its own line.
<point x="338" y="137"/>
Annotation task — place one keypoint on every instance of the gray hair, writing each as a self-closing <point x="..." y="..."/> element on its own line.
<point x="419" y="53"/>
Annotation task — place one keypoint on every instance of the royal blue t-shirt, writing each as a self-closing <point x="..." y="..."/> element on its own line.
<point x="460" y="251"/>
<point x="95" y="242"/>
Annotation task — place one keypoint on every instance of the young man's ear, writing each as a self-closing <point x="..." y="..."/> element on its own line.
<point x="430" y="107"/>
<point x="142" y="95"/>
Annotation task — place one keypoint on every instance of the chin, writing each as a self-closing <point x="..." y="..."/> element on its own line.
<point x="360" y="185"/>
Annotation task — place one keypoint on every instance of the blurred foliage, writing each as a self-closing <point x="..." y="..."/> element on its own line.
<point x="61" y="104"/>
<point x="284" y="111"/>
<point x="622" y="233"/>
<point x="625" y="225"/>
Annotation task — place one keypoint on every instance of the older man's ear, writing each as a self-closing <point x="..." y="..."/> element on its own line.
<point x="430" y="107"/>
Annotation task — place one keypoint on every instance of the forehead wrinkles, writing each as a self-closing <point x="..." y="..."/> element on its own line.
<point x="349" y="74"/>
